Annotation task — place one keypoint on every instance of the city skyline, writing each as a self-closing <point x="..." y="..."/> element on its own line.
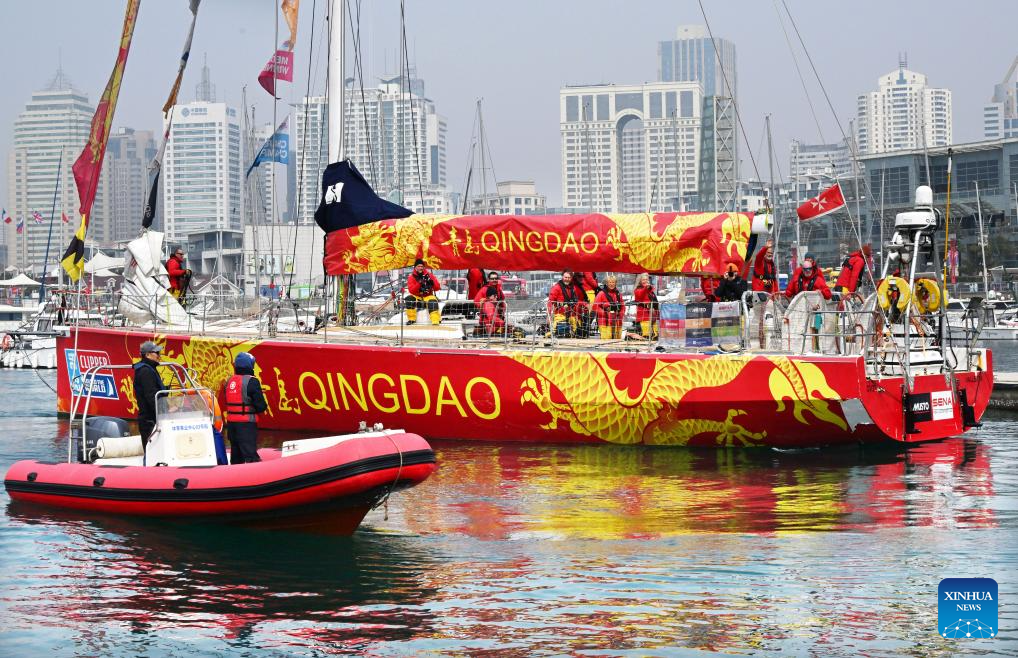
<point x="520" y="84"/>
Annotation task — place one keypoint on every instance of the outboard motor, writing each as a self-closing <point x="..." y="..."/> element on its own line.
<point x="98" y="427"/>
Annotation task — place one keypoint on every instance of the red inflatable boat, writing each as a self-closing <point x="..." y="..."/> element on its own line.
<point x="343" y="480"/>
<point x="330" y="482"/>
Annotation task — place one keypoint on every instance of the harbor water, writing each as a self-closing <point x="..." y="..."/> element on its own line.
<point x="531" y="550"/>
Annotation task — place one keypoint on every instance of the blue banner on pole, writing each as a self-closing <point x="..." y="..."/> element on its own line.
<point x="275" y="148"/>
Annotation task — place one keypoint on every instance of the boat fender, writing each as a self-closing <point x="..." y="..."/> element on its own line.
<point x="118" y="446"/>
<point x="6" y="342"/>
<point x="180" y="483"/>
<point x="932" y="300"/>
<point x="98" y="482"/>
<point x="883" y="294"/>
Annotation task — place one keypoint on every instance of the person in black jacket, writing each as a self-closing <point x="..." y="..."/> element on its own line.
<point x="147" y="383"/>
<point x="732" y="285"/>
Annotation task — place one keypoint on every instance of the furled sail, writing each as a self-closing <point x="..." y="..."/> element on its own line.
<point x="675" y="242"/>
<point x="687" y="243"/>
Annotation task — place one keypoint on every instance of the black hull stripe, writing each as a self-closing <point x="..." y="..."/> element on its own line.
<point x="269" y="489"/>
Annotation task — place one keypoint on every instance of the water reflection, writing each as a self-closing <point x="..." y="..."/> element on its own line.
<point x="538" y="550"/>
<point x="247" y="588"/>
<point x="605" y="492"/>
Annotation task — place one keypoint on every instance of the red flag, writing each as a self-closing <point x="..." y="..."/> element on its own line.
<point x="283" y="61"/>
<point x="89" y="164"/>
<point x="63" y="217"/>
<point x="822" y="204"/>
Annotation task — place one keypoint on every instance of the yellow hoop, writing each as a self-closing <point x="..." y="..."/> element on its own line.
<point x="904" y="293"/>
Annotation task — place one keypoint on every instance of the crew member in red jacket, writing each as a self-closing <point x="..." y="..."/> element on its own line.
<point x="493" y="280"/>
<point x="807" y="277"/>
<point x="709" y="284"/>
<point x="422" y="286"/>
<point x="566" y="307"/>
<point x="482" y="295"/>
<point x="610" y="309"/>
<point x="475" y="281"/>
<point x="492" y="309"/>
<point x="588" y="282"/>
<point x="646" y="306"/>
<point x="177" y="272"/>
<point x="765" y="274"/>
<point x="852" y="270"/>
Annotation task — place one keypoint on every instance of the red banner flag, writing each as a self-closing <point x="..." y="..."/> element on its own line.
<point x="688" y="243"/>
<point x="822" y="204"/>
<point x="283" y="61"/>
<point x="89" y="164"/>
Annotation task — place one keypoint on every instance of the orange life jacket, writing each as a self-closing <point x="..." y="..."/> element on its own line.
<point x="217" y="413"/>
<point x="238" y="402"/>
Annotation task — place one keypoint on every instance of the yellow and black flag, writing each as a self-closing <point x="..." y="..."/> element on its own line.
<point x="88" y="166"/>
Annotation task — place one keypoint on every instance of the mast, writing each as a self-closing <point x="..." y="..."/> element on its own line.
<point x="770" y="190"/>
<point x="336" y="131"/>
<point x="49" y="238"/>
<point x="337" y="83"/>
<point x="272" y="164"/>
<point x="982" y="242"/>
<point x="253" y="222"/>
<point x="480" y="133"/>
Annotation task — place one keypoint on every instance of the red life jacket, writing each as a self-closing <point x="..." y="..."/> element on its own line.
<point x="238" y="402"/>
<point x="570" y="298"/>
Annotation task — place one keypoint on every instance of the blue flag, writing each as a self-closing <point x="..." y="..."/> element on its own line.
<point x="275" y="148"/>
<point x="348" y="200"/>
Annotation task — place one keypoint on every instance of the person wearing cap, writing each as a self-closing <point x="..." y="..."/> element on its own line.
<point x="177" y="272"/>
<point x="422" y="286"/>
<point x="147" y="383"/>
<point x="732" y="285"/>
<point x="244" y="400"/>
<point x="807" y="277"/>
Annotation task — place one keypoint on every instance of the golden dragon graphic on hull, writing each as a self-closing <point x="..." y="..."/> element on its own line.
<point x="595" y="397"/>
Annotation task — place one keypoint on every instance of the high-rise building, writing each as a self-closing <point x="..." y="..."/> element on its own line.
<point x="382" y="128"/>
<point x="129" y="154"/>
<point x="692" y="57"/>
<point x="1000" y="115"/>
<point x="55" y="124"/>
<point x="819" y="161"/>
<point x="904" y="113"/>
<point x="203" y="171"/>
<point x="629" y="148"/>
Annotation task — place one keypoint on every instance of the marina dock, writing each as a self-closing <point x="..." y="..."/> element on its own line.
<point x="1005" y="391"/>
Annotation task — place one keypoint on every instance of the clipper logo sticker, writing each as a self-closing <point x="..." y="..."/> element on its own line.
<point x="967" y="608"/>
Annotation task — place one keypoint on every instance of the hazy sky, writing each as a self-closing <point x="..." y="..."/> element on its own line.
<point x="516" y="55"/>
